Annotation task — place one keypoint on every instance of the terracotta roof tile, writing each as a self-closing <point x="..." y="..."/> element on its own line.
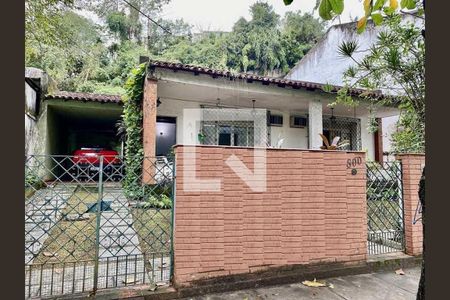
<point x="102" y="98"/>
<point x="296" y="84"/>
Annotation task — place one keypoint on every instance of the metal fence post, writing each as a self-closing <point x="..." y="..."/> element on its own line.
<point x="402" y="205"/>
<point x="172" y="233"/>
<point x="97" y="228"/>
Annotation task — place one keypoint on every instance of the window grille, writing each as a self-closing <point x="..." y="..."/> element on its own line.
<point x="275" y="120"/>
<point x="299" y="121"/>
<point x="348" y="129"/>
<point x="234" y="127"/>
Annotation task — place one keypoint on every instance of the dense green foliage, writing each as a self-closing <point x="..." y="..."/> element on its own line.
<point x="85" y="56"/>
<point x="265" y="44"/>
<point x="376" y="10"/>
<point x="42" y="22"/>
<point x="163" y="202"/>
<point x="132" y="119"/>
<point x="395" y="64"/>
<point x="31" y="178"/>
<point x="156" y="195"/>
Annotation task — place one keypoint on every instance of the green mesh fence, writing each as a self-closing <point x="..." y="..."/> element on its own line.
<point x="90" y="223"/>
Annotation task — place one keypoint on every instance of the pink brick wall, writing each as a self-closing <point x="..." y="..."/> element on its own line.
<point x="149" y="128"/>
<point x="314" y="210"/>
<point x="412" y="165"/>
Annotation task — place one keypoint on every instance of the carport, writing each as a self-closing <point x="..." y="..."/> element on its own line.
<point x="80" y="120"/>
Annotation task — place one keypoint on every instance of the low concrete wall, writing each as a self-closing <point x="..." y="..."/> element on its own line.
<point x="313" y="211"/>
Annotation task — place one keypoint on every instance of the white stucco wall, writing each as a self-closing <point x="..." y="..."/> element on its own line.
<point x="35" y="125"/>
<point x="389" y="127"/>
<point x="292" y="137"/>
<point x="174" y="108"/>
<point x="367" y="139"/>
<point x="323" y="64"/>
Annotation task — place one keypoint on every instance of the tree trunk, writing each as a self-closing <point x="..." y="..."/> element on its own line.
<point x="421" y="291"/>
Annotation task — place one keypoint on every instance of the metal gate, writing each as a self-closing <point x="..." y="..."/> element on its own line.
<point x="96" y="223"/>
<point x="385" y="208"/>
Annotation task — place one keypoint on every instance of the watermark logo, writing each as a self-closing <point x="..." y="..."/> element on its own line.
<point x="225" y="127"/>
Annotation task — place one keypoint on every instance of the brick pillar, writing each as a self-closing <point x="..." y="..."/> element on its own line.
<point x="149" y="128"/>
<point x="412" y="165"/>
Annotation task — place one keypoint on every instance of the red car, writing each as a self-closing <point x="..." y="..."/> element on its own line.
<point x="86" y="162"/>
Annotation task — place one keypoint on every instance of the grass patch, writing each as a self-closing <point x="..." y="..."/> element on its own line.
<point x="71" y="241"/>
<point x="153" y="227"/>
<point x="29" y="192"/>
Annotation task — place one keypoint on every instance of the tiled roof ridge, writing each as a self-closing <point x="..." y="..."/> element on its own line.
<point x="296" y="84"/>
<point x="103" y="98"/>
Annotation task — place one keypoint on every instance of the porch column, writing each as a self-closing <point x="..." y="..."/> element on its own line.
<point x="378" y="139"/>
<point x="149" y="128"/>
<point x="315" y="124"/>
<point x="412" y="165"/>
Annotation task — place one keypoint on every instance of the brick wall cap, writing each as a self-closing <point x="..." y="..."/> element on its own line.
<point x="270" y="149"/>
<point x="410" y="154"/>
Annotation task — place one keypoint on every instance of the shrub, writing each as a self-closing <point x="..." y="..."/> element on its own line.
<point x="31" y="178"/>
<point x="161" y="202"/>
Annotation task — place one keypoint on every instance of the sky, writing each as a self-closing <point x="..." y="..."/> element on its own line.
<point x="222" y="14"/>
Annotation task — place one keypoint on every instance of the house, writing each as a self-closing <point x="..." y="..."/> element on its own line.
<point x="294" y="208"/>
<point x="323" y="64"/>
<point x="58" y="122"/>
<point x="77" y="120"/>
<point x="296" y="106"/>
<point x="296" y="112"/>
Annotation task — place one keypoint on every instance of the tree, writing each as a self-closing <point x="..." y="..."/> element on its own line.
<point x="209" y="51"/>
<point x="265" y="44"/>
<point x="74" y="61"/>
<point x="118" y="24"/>
<point x="133" y="11"/>
<point x="263" y="16"/>
<point x="395" y="64"/>
<point x="158" y="40"/>
<point x="373" y="9"/>
<point x="300" y="33"/>
<point x="42" y="24"/>
<point x="98" y="57"/>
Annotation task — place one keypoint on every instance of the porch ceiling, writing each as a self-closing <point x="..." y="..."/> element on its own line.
<point x="238" y="93"/>
<point x="81" y="112"/>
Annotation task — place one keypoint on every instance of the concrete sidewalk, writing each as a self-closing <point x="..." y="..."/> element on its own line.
<point x="386" y="286"/>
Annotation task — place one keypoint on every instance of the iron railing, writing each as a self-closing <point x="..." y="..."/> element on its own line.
<point x="348" y="129"/>
<point x="385" y="219"/>
<point x="96" y="223"/>
<point x="234" y="127"/>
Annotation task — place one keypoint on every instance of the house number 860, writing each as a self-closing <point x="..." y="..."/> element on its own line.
<point x="351" y="163"/>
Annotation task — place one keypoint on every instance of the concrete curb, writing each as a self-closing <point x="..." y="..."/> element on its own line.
<point x="272" y="276"/>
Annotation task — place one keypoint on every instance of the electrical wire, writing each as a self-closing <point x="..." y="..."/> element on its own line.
<point x="150" y="19"/>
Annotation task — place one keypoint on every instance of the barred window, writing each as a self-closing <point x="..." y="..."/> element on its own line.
<point x="348" y="129"/>
<point x="234" y="127"/>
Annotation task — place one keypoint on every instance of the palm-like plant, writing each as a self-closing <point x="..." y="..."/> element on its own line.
<point x="335" y="144"/>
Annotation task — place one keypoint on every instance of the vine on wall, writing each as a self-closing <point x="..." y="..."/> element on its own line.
<point x="132" y="120"/>
<point x="156" y="195"/>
